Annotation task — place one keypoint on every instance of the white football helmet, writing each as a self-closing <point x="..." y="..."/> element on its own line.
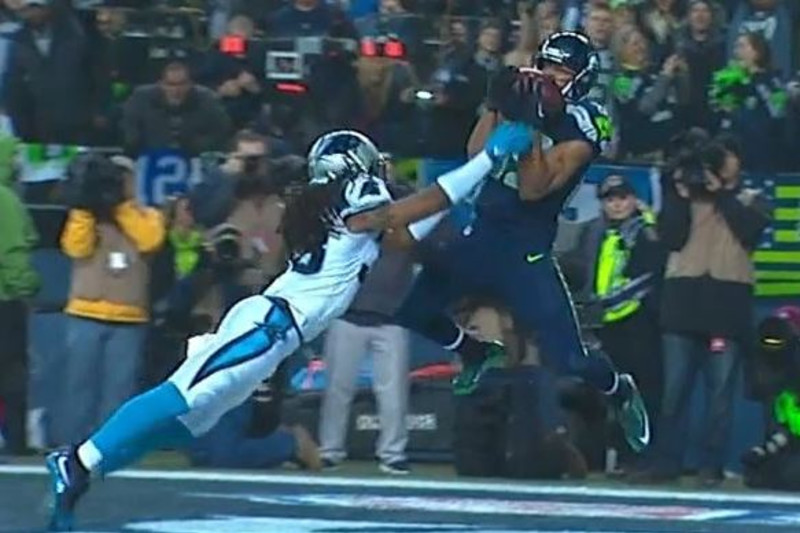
<point x="343" y="155"/>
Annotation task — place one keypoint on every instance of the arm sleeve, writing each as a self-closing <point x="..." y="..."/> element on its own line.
<point x="17" y="277"/>
<point x="79" y="237"/>
<point x="130" y="124"/>
<point x="145" y="226"/>
<point x="746" y="222"/>
<point x="773" y="97"/>
<point x="217" y="124"/>
<point x="652" y="98"/>
<point x="674" y="220"/>
<point x="213" y="199"/>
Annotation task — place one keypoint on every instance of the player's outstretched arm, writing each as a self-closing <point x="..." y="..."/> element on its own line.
<point x="448" y="190"/>
<point x="509" y="140"/>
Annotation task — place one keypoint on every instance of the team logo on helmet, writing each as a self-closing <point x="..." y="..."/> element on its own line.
<point x="574" y="51"/>
<point x="342" y="155"/>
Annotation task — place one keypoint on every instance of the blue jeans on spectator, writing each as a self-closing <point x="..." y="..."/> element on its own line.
<point x="463" y="213"/>
<point x="228" y="445"/>
<point x="101" y="371"/>
<point x="684" y="355"/>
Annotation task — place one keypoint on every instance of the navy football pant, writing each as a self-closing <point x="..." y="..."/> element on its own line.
<point x="529" y="286"/>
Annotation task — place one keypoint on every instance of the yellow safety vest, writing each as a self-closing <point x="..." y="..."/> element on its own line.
<point x="609" y="277"/>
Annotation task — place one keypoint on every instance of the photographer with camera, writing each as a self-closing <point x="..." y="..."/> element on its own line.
<point x="240" y="205"/>
<point x="711" y="226"/>
<point x="775" y="463"/>
<point x="109" y="238"/>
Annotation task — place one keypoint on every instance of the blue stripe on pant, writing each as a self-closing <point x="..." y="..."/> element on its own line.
<point x="247" y="346"/>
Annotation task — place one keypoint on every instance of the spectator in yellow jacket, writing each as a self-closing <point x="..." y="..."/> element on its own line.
<point x="108" y="301"/>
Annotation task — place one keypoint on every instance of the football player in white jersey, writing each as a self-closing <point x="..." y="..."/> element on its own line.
<point x="333" y="229"/>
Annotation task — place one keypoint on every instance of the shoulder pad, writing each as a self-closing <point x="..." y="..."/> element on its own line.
<point x="593" y="122"/>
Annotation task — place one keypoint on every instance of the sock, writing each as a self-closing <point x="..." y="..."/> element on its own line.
<point x="170" y="436"/>
<point x="89" y="456"/>
<point x="132" y="424"/>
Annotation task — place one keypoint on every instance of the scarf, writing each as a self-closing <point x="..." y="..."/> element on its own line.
<point x="187" y="251"/>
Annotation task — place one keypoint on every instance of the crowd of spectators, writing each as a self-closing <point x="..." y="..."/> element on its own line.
<point x="246" y="85"/>
<point x="411" y="74"/>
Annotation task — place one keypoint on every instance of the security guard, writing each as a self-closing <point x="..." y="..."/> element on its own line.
<point x="624" y="260"/>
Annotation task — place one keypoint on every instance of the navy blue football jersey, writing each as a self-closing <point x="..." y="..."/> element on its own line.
<point x="536" y="221"/>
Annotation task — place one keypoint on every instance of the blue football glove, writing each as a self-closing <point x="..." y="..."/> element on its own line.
<point x="510" y="139"/>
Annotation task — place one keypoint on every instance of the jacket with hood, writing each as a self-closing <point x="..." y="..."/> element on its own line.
<point x="18" y="235"/>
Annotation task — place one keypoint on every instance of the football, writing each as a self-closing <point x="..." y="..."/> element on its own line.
<point x="542" y="90"/>
<point x="550" y="97"/>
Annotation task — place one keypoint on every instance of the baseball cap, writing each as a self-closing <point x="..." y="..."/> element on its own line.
<point x="614" y="184"/>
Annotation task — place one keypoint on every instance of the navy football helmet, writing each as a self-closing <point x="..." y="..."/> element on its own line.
<point x="342" y="155"/>
<point x="572" y="50"/>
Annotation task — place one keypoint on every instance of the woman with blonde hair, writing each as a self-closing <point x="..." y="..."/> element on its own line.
<point x="647" y="100"/>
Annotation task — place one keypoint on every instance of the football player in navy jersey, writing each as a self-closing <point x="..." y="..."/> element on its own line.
<point x="507" y="252"/>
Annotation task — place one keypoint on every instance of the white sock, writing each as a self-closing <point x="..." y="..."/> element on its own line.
<point x="613" y="390"/>
<point x="89" y="456"/>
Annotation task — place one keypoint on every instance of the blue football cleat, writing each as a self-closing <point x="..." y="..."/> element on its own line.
<point x="509" y="139"/>
<point x="68" y="482"/>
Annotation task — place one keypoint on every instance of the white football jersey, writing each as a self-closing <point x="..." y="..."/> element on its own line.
<point x="320" y="286"/>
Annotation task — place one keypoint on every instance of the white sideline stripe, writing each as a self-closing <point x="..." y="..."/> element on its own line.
<point x="418" y="484"/>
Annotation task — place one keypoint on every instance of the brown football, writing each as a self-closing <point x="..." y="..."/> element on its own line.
<point x="550" y="97"/>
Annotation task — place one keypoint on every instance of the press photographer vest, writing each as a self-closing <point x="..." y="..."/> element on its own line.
<point x="711" y="250"/>
<point x="116" y="274"/>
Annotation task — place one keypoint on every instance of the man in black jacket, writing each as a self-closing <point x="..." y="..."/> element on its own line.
<point x="701" y="43"/>
<point x="174" y="114"/>
<point x="47" y="88"/>
<point x="710" y="226"/>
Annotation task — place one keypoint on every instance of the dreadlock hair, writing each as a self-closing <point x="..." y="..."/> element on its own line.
<point x="310" y="217"/>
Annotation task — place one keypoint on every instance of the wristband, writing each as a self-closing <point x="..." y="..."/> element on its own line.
<point x="459" y="183"/>
<point x="422" y="228"/>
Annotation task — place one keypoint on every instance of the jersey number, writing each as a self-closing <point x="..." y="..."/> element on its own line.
<point x="309" y="262"/>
